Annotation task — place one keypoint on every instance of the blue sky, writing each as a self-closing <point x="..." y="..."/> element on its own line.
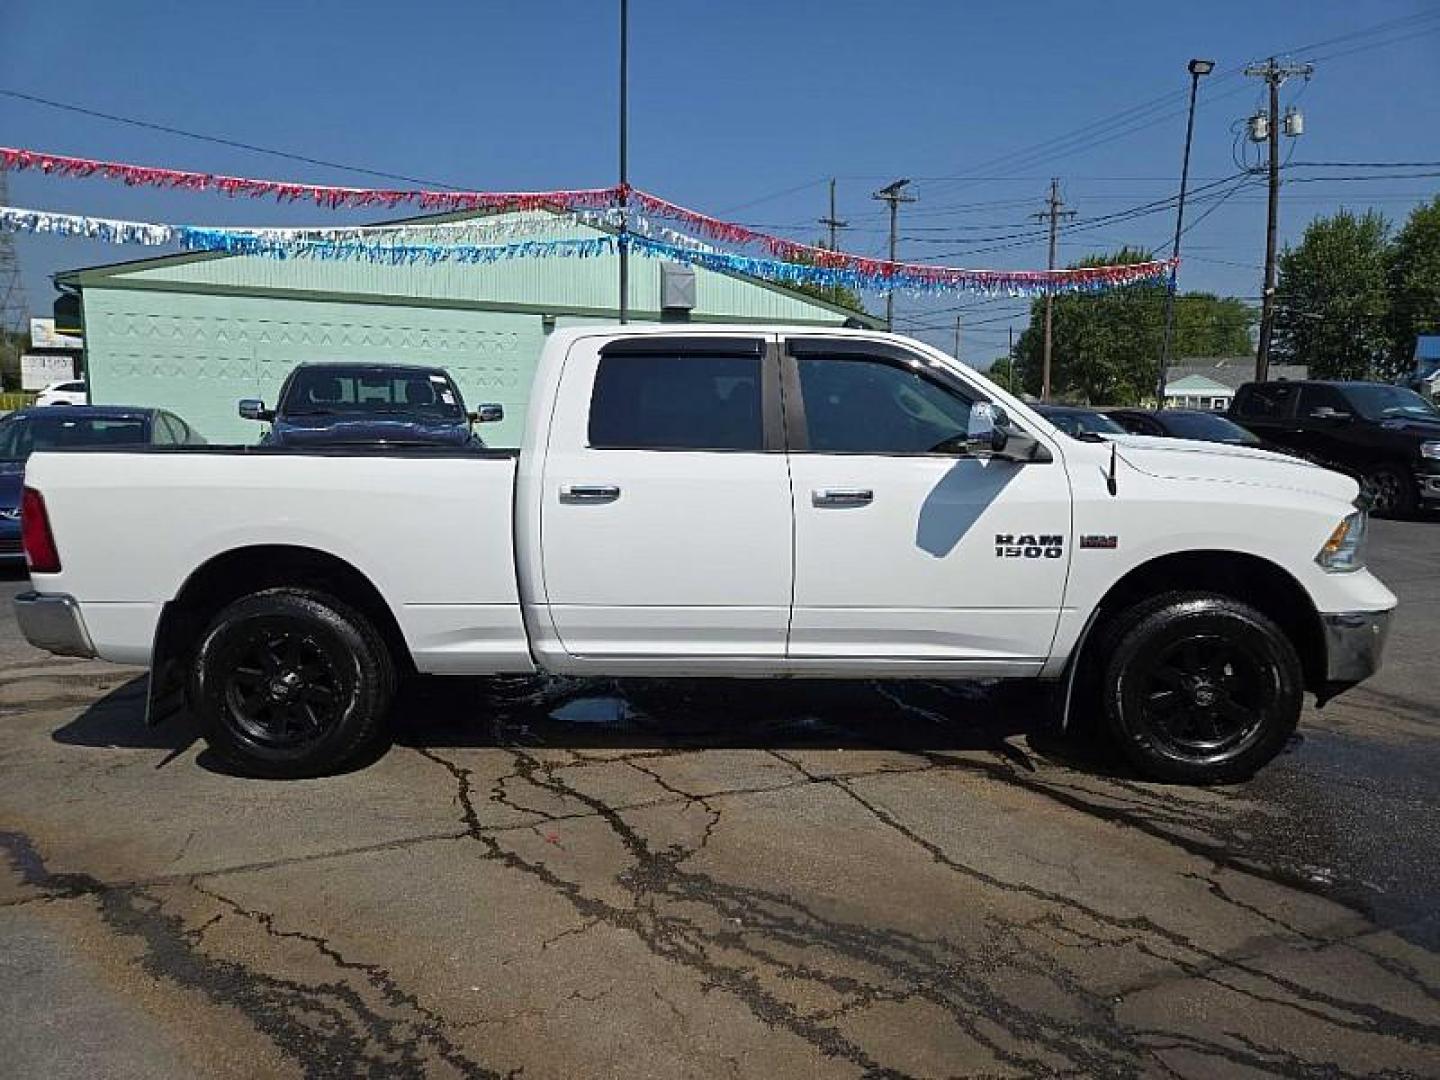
<point x="742" y="109"/>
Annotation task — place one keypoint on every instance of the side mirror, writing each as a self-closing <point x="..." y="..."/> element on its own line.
<point x="488" y="414"/>
<point x="254" y="409"/>
<point x="986" y="435"/>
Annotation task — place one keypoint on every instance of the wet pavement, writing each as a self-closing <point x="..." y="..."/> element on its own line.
<point x="732" y="879"/>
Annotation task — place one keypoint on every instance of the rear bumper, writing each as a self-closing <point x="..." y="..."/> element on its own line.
<point x="53" y="622"/>
<point x="1354" y="644"/>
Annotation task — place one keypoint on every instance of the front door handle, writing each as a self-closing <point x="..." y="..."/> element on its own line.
<point x="842" y="497"/>
<point x="589" y="493"/>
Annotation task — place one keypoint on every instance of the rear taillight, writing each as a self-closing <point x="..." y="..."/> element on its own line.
<point x="40" y="551"/>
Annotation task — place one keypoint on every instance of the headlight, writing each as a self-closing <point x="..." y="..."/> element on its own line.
<point x="1430" y="450"/>
<point x="1345" y="550"/>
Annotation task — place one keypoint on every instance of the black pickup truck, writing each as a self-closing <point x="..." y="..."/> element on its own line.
<point x="1386" y="436"/>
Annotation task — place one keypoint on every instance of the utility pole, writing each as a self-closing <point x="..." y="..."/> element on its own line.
<point x="624" y="284"/>
<point x="1054" y="212"/>
<point x="1274" y="75"/>
<point x="894" y="195"/>
<point x="833" y="223"/>
<point x="957" y="337"/>
<point x="1012" y="358"/>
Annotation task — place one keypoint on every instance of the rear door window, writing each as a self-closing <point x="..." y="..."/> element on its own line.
<point x="1263" y="401"/>
<point x="1322" y="397"/>
<point x="673" y="401"/>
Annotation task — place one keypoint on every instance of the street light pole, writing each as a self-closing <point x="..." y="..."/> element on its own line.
<point x="624" y="244"/>
<point x="1197" y="69"/>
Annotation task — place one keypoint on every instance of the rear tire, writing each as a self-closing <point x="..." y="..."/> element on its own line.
<point x="289" y="683"/>
<point x="1200" y="688"/>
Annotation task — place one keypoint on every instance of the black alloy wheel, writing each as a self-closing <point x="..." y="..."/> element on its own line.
<point x="1204" y="698"/>
<point x="291" y="683"/>
<point x="1199" y="688"/>
<point x="1388" y="492"/>
<point x="284" y="690"/>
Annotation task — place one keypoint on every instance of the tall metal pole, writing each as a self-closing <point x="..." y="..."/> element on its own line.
<point x="1197" y="68"/>
<point x="624" y="239"/>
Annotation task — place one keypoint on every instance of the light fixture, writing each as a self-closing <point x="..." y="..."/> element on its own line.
<point x="1201" y="67"/>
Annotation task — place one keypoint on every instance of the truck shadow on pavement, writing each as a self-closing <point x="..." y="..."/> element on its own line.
<point x="1010" y="721"/>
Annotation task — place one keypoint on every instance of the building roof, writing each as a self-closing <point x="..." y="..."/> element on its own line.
<point x="1201" y="384"/>
<point x="560" y="286"/>
<point x="1233" y="371"/>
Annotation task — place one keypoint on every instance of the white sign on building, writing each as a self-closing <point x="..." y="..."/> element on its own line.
<point x="39" y="370"/>
<point x="43" y="336"/>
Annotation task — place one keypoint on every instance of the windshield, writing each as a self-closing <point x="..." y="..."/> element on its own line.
<point x="337" y="389"/>
<point x="1208" y="427"/>
<point x="21" y="434"/>
<point x="1082" y="422"/>
<point x="1380" y="402"/>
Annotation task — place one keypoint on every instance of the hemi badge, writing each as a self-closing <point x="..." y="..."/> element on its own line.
<point x="1107" y="543"/>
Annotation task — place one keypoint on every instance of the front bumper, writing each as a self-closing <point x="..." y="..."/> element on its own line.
<point x="52" y="621"/>
<point x="1354" y="643"/>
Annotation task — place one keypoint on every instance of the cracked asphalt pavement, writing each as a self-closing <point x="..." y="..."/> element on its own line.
<point x="564" y="879"/>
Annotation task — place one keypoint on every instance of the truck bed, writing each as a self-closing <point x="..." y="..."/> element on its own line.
<point x="431" y="528"/>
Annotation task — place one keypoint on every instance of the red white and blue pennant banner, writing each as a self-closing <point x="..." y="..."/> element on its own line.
<point x="630" y="218"/>
<point x="398" y="246"/>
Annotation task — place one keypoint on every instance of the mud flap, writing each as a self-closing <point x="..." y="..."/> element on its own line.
<point x="166" y="695"/>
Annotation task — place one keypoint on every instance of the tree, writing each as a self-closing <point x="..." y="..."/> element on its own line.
<point x="1107" y="345"/>
<point x="1332" y="301"/>
<point x="1004" y="372"/>
<point x="833" y="294"/>
<point x="12" y="346"/>
<point x="1414" y="280"/>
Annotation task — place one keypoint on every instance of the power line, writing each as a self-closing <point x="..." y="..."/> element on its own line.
<point x="218" y="140"/>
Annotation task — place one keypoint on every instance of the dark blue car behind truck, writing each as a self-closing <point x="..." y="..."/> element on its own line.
<point x="341" y="404"/>
<point x="26" y="430"/>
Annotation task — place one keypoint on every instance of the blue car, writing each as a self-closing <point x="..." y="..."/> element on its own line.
<point x="26" y="430"/>
<point x="368" y="404"/>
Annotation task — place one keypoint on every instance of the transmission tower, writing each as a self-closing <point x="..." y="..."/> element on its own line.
<point x="14" y="312"/>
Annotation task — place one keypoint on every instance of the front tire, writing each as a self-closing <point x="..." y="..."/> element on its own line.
<point x="289" y="683"/>
<point x="1200" y="688"/>
<point x="1389" y="491"/>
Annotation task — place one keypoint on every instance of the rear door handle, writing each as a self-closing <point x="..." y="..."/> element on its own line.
<point x="589" y="493"/>
<point x="842" y="497"/>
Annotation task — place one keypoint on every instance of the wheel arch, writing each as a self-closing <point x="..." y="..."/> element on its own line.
<point x="1250" y="579"/>
<point x="241" y="572"/>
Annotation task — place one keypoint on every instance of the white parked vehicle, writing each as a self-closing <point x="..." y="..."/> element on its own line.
<point x="67" y="392"/>
<point x="719" y="501"/>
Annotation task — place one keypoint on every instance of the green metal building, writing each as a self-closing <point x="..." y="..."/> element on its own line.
<point x="194" y="333"/>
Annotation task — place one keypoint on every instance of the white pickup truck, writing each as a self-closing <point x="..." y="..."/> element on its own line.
<point x="718" y="501"/>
